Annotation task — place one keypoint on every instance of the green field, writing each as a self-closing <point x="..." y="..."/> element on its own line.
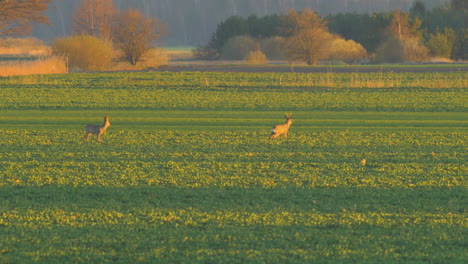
<point x="188" y="174"/>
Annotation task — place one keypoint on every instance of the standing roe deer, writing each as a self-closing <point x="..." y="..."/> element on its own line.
<point x="98" y="130"/>
<point x="282" y="129"/>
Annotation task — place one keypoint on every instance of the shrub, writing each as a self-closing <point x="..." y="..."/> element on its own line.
<point x="389" y="52"/>
<point x="255" y="57"/>
<point x="153" y="58"/>
<point x="273" y="48"/>
<point x="347" y="50"/>
<point x="394" y="50"/>
<point x="237" y="48"/>
<point x="442" y="44"/>
<point x="205" y="53"/>
<point x="84" y="52"/>
<point x="413" y="50"/>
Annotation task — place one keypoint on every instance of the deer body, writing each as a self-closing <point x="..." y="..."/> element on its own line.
<point x="97" y="130"/>
<point x="282" y="129"/>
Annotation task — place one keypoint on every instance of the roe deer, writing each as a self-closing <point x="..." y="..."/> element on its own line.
<point x="282" y="129"/>
<point x="97" y="130"/>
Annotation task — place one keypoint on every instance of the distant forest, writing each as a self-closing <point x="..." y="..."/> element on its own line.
<point x="192" y="22"/>
<point x="381" y="37"/>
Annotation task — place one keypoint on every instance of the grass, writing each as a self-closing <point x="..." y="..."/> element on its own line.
<point x="239" y="120"/>
<point x="230" y="194"/>
<point x="51" y="65"/>
<point x="187" y="173"/>
<point x="25" y="56"/>
<point x="273" y="92"/>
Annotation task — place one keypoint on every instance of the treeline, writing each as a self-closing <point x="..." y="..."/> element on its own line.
<point x="395" y="36"/>
<point x="102" y="33"/>
<point x="191" y="22"/>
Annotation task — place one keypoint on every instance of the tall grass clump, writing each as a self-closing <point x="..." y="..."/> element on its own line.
<point x="85" y="52"/>
<point x="47" y="65"/>
<point x="255" y="57"/>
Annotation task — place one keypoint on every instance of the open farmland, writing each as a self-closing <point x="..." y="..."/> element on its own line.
<point x="187" y="173"/>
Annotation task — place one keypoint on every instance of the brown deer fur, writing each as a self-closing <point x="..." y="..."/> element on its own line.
<point x="97" y="130"/>
<point x="282" y="129"/>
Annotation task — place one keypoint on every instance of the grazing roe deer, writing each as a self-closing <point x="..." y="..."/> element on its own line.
<point x="97" y="130"/>
<point x="282" y="129"/>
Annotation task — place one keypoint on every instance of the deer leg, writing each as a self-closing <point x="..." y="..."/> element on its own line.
<point x="86" y="136"/>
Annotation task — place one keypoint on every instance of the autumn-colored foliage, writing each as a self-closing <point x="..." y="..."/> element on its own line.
<point x="94" y="17"/>
<point x="347" y="50"/>
<point x="255" y="57"/>
<point x="18" y="16"/>
<point x="133" y="33"/>
<point x="46" y="65"/>
<point x="84" y="52"/>
<point x="308" y="37"/>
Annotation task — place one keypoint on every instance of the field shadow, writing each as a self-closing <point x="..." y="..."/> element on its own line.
<point x="215" y="199"/>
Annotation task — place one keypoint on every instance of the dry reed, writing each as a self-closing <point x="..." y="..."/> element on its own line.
<point x="47" y="65"/>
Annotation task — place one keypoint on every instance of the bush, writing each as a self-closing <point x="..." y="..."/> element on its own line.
<point x="439" y="46"/>
<point x="406" y="50"/>
<point x="347" y="51"/>
<point x="237" y="48"/>
<point x="389" y="52"/>
<point x="443" y="44"/>
<point x="413" y="50"/>
<point x="255" y="57"/>
<point x="273" y="48"/>
<point x="153" y="58"/>
<point x="205" y="53"/>
<point x="84" y="52"/>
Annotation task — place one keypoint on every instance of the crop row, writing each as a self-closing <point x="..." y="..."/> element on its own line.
<point x="56" y="235"/>
<point x="234" y="159"/>
<point x="191" y="217"/>
<point x="214" y="80"/>
<point x="253" y="92"/>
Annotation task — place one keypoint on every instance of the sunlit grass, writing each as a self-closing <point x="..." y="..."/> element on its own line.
<point x="50" y="65"/>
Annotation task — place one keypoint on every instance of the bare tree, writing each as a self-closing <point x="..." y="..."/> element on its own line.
<point x="308" y="37"/>
<point x="402" y="26"/>
<point x="94" y="17"/>
<point x="133" y="33"/>
<point x="18" y="16"/>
